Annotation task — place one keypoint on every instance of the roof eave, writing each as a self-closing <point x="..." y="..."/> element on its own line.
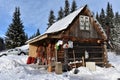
<point x="40" y="37"/>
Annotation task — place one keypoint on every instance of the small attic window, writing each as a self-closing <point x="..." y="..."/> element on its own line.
<point x="84" y="22"/>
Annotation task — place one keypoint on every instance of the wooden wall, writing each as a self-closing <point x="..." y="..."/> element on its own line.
<point x="32" y="50"/>
<point x="75" y="31"/>
<point x="96" y="53"/>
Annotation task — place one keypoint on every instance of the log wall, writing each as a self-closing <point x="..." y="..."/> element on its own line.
<point x="96" y="53"/>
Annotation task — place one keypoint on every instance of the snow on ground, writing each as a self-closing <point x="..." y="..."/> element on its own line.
<point x="13" y="67"/>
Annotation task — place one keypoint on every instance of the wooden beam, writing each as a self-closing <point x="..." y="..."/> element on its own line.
<point x="38" y="39"/>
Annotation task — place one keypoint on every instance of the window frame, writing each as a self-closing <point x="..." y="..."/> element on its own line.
<point x="83" y="25"/>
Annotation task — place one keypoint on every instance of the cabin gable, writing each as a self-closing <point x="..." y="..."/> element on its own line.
<point x="74" y="29"/>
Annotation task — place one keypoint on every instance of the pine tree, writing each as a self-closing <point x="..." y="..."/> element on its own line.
<point x="26" y="37"/>
<point x="111" y="10"/>
<point x="35" y="34"/>
<point x="109" y="15"/>
<point x="102" y="18"/>
<point x="97" y="17"/>
<point x="38" y="32"/>
<point x="15" y="33"/>
<point x="60" y="14"/>
<point x="74" y="6"/>
<point x="117" y="27"/>
<point x="116" y="17"/>
<point x="109" y="22"/>
<point x="66" y="8"/>
<point x="2" y="45"/>
<point x="51" y="19"/>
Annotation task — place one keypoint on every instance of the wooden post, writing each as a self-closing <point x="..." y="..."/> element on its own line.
<point x="83" y="61"/>
<point x="105" y="54"/>
<point x="74" y="58"/>
<point x="74" y="55"/>
<point x="66" y="59"/>
<point x="56" y="57"/>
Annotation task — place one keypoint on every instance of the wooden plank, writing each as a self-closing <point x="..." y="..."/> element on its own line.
<point x="32" y="50"/>
<point x="75" y="59"/>
<point x="98" y="52"/>
<point x="36" y="66"/>
<point x="88" y="47"/>
<point x="61" y="60"/>
<point x="99" y="62"/>
<point x="96" y="58"/>
<point x="60" y="55"/>
<point x="92" y="52"/>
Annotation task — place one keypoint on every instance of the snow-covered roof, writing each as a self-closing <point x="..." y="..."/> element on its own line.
<point x="61" y="24"/>
<point x="64" y="23"/>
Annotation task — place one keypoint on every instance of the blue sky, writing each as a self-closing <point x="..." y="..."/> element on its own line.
<point x="34" y="13"/>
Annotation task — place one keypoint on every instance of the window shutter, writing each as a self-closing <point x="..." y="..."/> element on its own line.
<point x="87" y="22"/>
<point x="82" y="20"/>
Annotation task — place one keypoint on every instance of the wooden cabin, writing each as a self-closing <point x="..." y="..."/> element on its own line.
<point x="69" y="39"/>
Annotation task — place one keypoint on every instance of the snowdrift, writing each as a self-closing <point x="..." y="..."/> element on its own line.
<point x="13" y="67"/>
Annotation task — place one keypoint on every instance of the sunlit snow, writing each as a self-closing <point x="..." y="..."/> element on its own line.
<point x="14" y="67"/>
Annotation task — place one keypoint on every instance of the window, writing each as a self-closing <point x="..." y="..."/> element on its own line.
<point x="84" y="22"/>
